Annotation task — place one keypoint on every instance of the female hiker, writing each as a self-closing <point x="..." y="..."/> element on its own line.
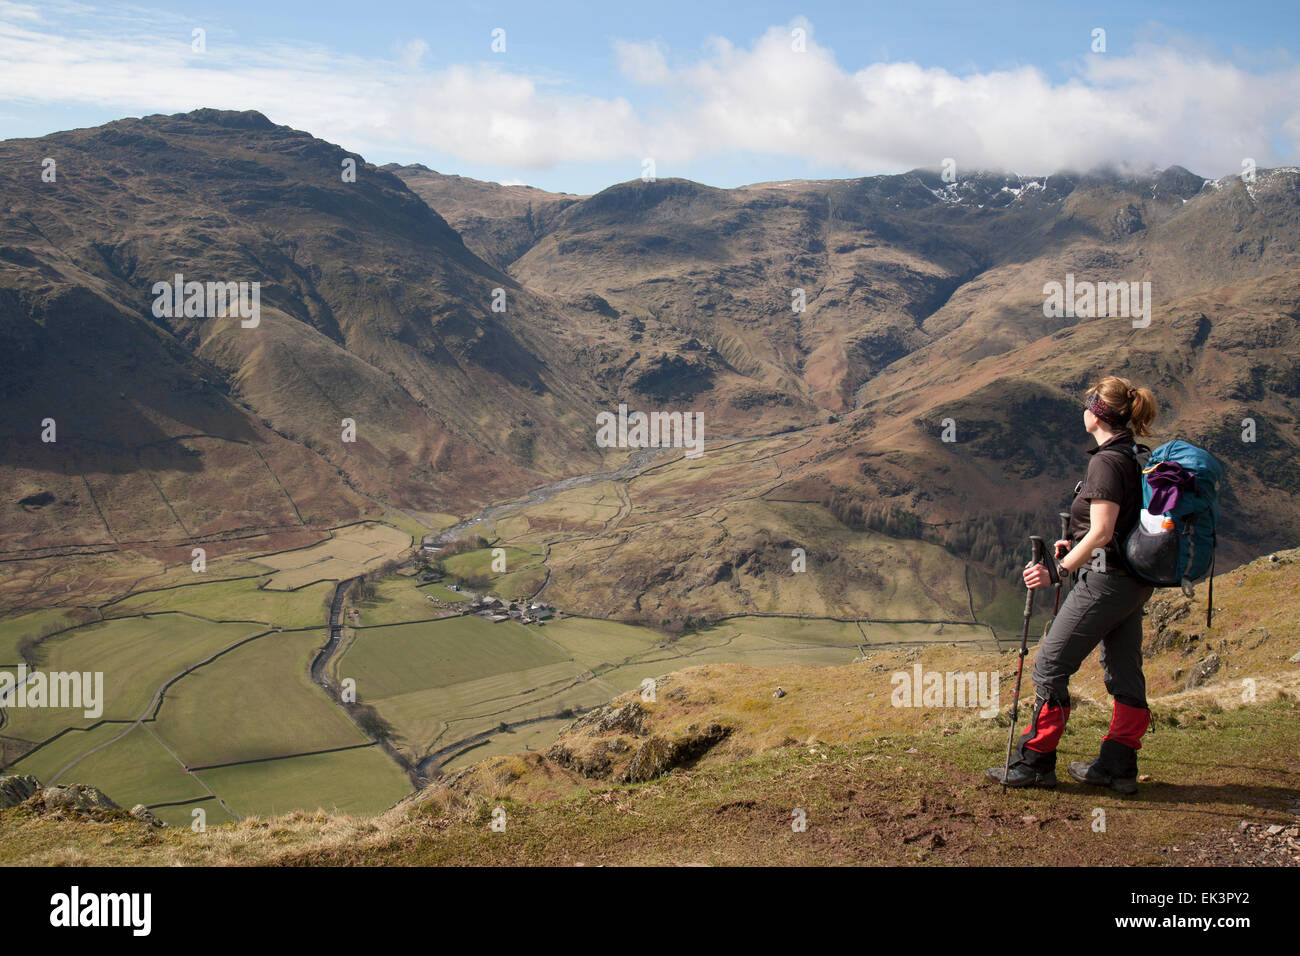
<point x="1104" y="605"/>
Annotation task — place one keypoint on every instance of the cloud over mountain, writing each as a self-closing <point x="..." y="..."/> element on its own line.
<point x="1156" y="105"/>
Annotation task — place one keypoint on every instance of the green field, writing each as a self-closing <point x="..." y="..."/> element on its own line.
<point x="46" y="761"/>
<point x="440" y="682"/>
<point x="727" y="643"/>
<point x="536" y="736"/>
<point x="265" y="739"/>
<point x="14" y="629"/>
<point x="135" y="769"/>
<point x="399" y="659"/>
<point x="429" y="719"/>
<point x="135" y="655"/>
<point x="233" y="656"/>
<point x="362" y="780"/>
<point x="795" y="631"/>
<point x="234" y="600"/>
<point x="257" y="701"/>
<point x="519" y="585"/>
<point x="470" y="563"/>
<point x="183" y="815"/>
<point x="885" y="633"/>
<point x="242" y="599"/>
<point x="442" y="592"/>
<point x="435" y="681"/>
<point x="1007" y="615"/>
<point x="351" y="550"/>
<point x="595" y="643"/>
<point x="397" y="601"/>
<point x="524" y="571"/>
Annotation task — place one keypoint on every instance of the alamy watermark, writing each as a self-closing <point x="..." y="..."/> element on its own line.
<point x="953" y="689"/>
<point x="1088" y="300"/>
<point x="82" y="690"/>
<point x="75" y="908"/>
<point x="208" y="300"/>
<point x="651" y="430"/>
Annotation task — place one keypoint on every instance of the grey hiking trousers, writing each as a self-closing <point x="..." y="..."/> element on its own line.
<point x="1103" y="609"/>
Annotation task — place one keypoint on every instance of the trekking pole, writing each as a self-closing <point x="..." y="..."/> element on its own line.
<point x="1065" y="532"/>
<point x="1040" y="553"/>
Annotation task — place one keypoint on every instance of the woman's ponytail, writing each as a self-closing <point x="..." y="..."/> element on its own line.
<point x="1142" y="411"/>
<point x="1137" y="406"/>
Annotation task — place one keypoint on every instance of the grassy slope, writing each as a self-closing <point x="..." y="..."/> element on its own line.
<point x="878" y="784"/>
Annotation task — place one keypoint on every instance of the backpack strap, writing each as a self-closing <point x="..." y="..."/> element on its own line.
<point x="1139" y="453"/>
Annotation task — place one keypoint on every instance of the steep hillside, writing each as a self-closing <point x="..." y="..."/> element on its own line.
<point x="924" y="305"/>
<point x="717" y="768"/>
<point x="175" y="428"/>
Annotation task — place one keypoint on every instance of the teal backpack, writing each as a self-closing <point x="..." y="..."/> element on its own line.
<point x="1175" y="548"/>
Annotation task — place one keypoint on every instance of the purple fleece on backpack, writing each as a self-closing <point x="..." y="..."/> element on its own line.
<point x="1168" y="481"/>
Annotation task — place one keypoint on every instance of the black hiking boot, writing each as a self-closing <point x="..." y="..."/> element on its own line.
<point x="1116" y="768"/>
<point x="1022" y="775"/>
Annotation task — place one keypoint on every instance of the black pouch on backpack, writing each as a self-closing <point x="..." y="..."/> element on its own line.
<point x="1153" y="555"/>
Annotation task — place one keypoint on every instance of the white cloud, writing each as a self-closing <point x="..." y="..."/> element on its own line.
<point x="1161" y="104"/>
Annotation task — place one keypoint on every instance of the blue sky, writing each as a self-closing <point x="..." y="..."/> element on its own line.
<point x="583" y="94"/>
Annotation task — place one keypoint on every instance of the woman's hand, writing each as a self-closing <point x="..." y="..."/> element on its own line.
<point x="1036" y="576"/>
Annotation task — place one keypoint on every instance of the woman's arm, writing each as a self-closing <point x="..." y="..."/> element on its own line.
<point x="1102" y="516"/>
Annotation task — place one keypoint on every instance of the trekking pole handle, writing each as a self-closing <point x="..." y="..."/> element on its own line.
<point x="1065" y="533"/>
<point x="1040" y="557"/>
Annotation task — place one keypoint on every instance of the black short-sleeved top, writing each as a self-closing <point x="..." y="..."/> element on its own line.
<point x="1112" y="476"/>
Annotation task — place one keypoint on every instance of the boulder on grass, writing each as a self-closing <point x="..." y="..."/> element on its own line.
<point x="146" y="816"/>
<point x="76" y="796"/>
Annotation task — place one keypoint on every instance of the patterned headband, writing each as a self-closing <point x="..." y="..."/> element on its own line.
<point x="1104" y="411"/>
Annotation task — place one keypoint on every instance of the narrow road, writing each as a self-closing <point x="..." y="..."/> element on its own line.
<point x="320" y="675"/>
<point x="323" y="656"/>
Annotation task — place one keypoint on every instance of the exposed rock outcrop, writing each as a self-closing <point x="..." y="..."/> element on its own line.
<point x="76" y="796"/>
<point x="79" y="800"/>
<point x="1205" y="668"/>
<point x="657" y="756"/>
<point x="16" y="788"/>
<point x="629" y="718"/>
